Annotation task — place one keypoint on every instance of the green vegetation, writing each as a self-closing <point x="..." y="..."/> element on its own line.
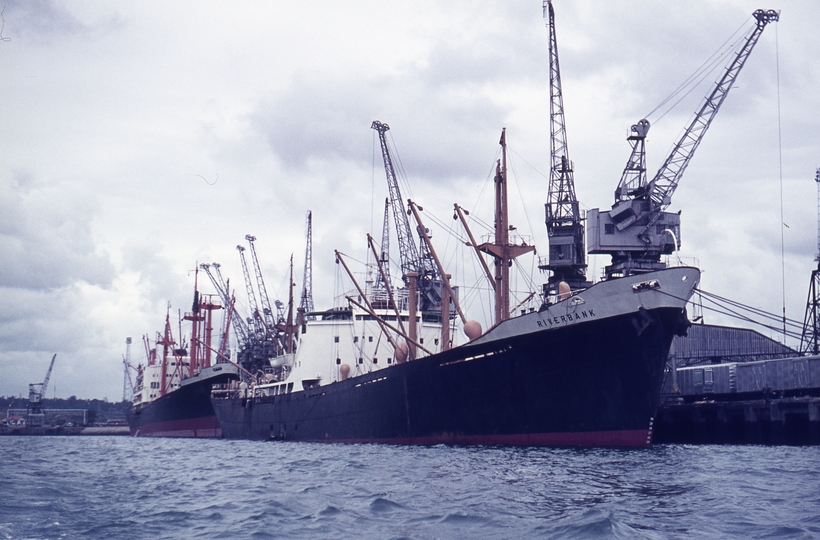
<point x="99" y="411"/>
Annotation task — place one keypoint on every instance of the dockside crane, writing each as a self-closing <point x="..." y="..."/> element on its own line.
<point x="306" y="302"/>
<point x="383" y="260"/>
<point x="565" y="227"/>
<point x="256" y="323"/>
<point x="269" y="322"/>
<point x="222" y="288"/>
<point x="127" y="381"/>
<point x="637" y="231"/>
<point x="36" y="393"/>
<point x="412" y="259"/>
<point x="407" y="246"/>
<point x="810" y="340"/>
<point x="267" y="312"/>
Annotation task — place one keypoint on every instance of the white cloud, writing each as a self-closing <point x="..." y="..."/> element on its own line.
<point x="138" y="140"/>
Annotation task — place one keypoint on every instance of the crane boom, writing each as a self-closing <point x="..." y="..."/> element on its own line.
<point x="565" y="228"/>
<point x="306" y="301"/>
<point x="407" y="246"/>
<point x="637" y="231"/>
<point x="267" y="312"/>
<point x="36" y="393"/>
<point x="48" y="376"/>
<point x="418" y="260"/>
<point x="239" y="324"/>
<point x="255" y="322"/>
<point x="666" y="180"/>
<point x="383" y="260"/>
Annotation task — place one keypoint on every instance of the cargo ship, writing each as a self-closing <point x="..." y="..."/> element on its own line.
<point x="172" y="394"/>
<point x="580" y="366"/>
<point x="585" y="371"/>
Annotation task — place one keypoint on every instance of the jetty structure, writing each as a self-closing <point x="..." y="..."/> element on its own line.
<point x="736" y="386"/>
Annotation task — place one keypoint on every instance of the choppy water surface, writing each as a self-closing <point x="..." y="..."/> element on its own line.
<point x="119" y="487"/>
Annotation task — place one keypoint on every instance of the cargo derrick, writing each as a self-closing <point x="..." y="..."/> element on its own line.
<point x="638" y="230"/>
<point x="412" y="259"/>
<point x="565" y="227"/>
<point x="168" y="345"/>
<point x="201" y="318"/>
<point x="285" y="329"/>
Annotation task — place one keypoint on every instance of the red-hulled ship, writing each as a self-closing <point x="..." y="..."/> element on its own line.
<point x="173" y="390"/>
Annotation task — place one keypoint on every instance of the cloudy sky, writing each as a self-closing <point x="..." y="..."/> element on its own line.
<point x="138" y="139"/>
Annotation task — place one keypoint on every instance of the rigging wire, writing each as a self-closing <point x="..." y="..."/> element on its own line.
<point x="699" y="75"/>
<point x="729" y="310"/>
<point x="756" y="311"/>
<point x="780" y="169"/>
<point x="512" y="167"/>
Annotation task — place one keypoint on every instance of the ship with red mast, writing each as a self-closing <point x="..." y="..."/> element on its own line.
<point x="172" y="394"/>
<point x="583" y="366"/>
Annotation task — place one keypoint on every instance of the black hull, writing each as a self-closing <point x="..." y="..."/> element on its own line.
<point x="185" y="412"/>
<point x="596" y="383"/>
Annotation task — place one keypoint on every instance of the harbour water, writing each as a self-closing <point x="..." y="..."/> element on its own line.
<point x="120" y="487"/>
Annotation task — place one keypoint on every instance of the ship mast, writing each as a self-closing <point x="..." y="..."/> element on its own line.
<point x="501" y="249"/>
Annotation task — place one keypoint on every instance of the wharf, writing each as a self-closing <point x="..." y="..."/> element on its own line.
<point x="60" y="430"/>
<point x="735" y="386"/>
<point x="781" y="421"/>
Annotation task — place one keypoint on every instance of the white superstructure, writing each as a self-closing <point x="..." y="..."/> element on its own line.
<point x="349" y="340"/>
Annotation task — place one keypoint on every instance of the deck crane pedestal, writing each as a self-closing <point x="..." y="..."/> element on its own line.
<point x="565" y="228"/>
<point x="638" y="230"/>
